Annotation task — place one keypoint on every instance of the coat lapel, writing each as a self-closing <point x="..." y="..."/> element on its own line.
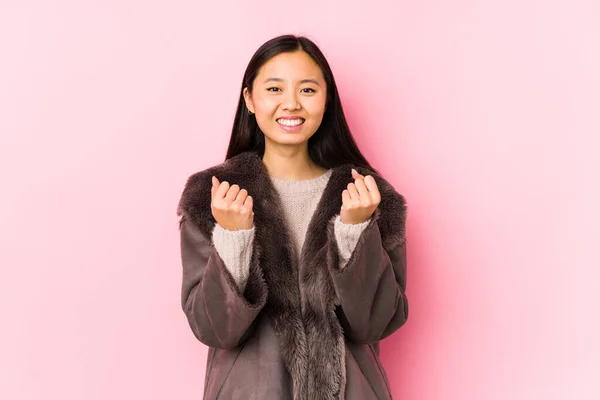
<point x="301" y="298"/>
<point x="325" y="339"/>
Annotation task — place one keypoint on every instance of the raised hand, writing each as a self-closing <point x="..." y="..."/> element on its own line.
<point x="231" y="206"/>
<point x="360" y="199"/>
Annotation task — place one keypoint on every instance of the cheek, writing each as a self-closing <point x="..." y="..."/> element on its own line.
<point x="316" y="108"/>
<point x="317" y="103"/>
<point x="266" y="104"/>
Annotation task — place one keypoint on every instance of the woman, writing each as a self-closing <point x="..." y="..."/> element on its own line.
<point x="293" y="249"/>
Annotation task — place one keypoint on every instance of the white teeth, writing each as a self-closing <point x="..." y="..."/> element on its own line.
<point x="290" y="122"/>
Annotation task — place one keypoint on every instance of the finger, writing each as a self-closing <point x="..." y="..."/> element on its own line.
<point x="371" y="184"/>
<point x="222" y="190"/>
<point x="248" y="204"/>
<point x="373" y="189"/>
<point x="356" y="175"/>
<point x="241" y="197"/>
<point x="345" y="198"/>
<point x="353" y="192"/>
<point x="214" y="187"/>
<point x="232" y="194"/>
<point x="362" y="190"/>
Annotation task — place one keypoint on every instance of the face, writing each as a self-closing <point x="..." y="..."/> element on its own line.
<point x="288" y="99"/>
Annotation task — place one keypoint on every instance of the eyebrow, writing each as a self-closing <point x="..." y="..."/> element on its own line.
<point x="308" y="80"/>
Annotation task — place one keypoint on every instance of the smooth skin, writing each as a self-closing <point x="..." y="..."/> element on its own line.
<point x="292" y="86"/>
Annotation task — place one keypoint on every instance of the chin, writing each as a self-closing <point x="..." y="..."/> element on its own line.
<point x="288" y="140"/>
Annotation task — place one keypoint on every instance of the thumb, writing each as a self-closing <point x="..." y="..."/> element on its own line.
<point x="356" y="175"/>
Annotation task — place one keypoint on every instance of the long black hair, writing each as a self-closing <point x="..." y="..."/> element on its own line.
<point x="331" y="145"/>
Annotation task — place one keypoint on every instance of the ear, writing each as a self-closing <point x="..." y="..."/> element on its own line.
<point x="248" y="100"/>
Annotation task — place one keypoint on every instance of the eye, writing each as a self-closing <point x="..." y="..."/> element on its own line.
<point x="309" y="90"/>
<point x="272" y="89"/>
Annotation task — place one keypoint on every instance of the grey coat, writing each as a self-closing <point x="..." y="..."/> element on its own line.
<point x="301" y="330"/>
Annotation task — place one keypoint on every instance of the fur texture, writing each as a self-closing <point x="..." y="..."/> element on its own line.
<point x="301" y="300"/>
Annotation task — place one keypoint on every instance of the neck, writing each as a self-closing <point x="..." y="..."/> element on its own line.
<point x="291" y="163"/>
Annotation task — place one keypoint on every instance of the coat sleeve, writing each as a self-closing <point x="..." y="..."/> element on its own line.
<point x="371" y="287"/>
<point x="219" y="314"/>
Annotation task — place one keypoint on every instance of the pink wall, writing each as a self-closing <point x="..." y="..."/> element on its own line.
<point x="485" y="114"/>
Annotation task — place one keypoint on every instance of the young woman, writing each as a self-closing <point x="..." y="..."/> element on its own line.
<point x="293" y="249"/>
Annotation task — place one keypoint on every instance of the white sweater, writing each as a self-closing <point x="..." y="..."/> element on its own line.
<point x="299" y="200"/>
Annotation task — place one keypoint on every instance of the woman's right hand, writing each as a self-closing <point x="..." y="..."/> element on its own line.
<point x="231" y="206"/>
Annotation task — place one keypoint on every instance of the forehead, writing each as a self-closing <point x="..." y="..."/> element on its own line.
<point x="290" y="66"/>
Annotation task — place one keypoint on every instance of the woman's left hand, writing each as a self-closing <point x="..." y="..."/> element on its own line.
<point x="360" y="200"/>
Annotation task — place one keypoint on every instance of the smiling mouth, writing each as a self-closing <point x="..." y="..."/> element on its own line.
<point x="290" y="122"/>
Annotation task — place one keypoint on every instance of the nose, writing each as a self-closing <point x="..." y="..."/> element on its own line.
<point x="290" y="101"/>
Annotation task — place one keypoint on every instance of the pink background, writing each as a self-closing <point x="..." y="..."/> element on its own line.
<point x="485" y="114"/>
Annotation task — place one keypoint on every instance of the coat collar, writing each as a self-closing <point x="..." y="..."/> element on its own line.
<point x="248" y="170"/>
<point x="301" y="300"/>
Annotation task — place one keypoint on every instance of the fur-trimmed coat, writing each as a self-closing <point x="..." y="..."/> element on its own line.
<point x="301" y="330"/>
